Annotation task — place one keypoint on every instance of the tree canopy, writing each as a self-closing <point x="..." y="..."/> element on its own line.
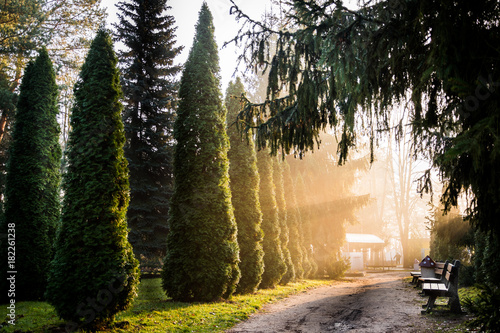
<point x="349" y="69"/>
<point x="65" y="28"/>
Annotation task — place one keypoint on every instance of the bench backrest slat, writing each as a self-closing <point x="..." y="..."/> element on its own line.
<point x="451" y="275"/>
<point x="440" y="265"/>
<point x="443" y="271"/>
<point x="447" y="276"/>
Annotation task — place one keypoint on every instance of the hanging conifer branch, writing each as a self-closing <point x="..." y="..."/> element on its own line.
<point x="360" y="64"/>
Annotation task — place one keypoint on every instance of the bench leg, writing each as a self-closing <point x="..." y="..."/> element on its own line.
<point x="430" y="304"/>
<point x="454" y="304"/>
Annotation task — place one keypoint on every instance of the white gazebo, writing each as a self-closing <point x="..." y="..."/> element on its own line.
<point x="364" y="250"/>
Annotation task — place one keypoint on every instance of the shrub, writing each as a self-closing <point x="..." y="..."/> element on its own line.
<point x="466" y="277"/>
<point x="336" y="268"/>
<point x="486" y="308"/>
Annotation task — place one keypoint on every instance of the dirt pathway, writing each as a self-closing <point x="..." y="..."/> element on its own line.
<point x="378" y="302"/>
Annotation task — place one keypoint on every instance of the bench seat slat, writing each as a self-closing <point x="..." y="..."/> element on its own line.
<point x="430" y="286"/>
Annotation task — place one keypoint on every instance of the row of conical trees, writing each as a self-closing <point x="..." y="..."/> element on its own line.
<point x="228" y="217"/>
<point x="231" y="229"/>
<point x="76" y="256"/>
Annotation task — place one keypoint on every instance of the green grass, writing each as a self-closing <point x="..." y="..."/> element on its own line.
<point x="152" y="311"/>
<point x="469" y="292"/>
<point x="30" y="315"/>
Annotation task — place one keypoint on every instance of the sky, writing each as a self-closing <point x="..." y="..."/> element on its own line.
<point x="186" y="12"/>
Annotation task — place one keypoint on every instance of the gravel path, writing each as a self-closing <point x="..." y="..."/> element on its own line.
<point x="377" y="302"/>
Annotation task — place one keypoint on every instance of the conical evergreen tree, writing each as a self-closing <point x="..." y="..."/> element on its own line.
<point x="245" y="181"/>
<point x="294" y="221"/>
<point x="202" y="250"/>
<point x="8" y="100"/>
<point x="274" y="264"/>
<point x="33" y="177"/>
<point x="283" y="220"/>
<point x="150" y="89"/>
<point x="94" y="273"/>
<point x="308" y="262"/>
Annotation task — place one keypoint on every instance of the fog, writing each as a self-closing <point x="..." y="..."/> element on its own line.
<point x="360" y="197"/>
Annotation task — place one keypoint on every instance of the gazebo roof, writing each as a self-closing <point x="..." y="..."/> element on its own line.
<point x="363" y="239"/>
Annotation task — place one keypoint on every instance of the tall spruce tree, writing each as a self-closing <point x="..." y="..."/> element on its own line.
<point x="32" y="207"/>
<point x="283" y="220"/>
<point x="202" y="250"/>
<point x="150" y="88"/>
<point x="274" y="263"/>
<point x="94" y="274"/>
<point x="245" y="181"/>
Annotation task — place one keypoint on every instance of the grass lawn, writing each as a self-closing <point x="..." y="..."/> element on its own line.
<point x="152" y="311"/>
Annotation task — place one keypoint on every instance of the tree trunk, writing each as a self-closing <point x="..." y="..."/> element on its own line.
<point x="3" y="124"/>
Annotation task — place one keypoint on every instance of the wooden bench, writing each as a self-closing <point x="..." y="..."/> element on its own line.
<point x="446" y="287"/>
<point x="438" y="274"/>
<point x="388" y="266"/>
<point x="417" y="275"/>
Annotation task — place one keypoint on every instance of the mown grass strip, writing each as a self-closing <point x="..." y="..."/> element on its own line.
<point x="152" y="311"/>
